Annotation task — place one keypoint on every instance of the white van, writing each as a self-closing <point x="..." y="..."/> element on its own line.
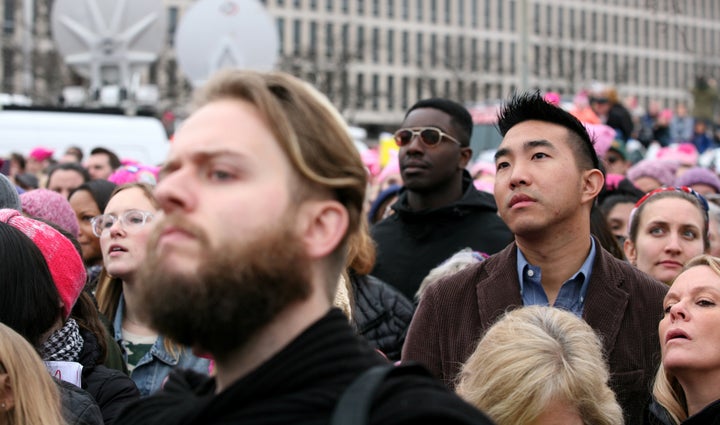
<point x="139" y="138"/>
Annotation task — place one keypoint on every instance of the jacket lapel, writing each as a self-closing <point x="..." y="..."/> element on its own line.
<point x="498" y="289"/>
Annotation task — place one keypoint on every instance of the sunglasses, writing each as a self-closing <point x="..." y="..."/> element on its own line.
<point x="430" y="136"/>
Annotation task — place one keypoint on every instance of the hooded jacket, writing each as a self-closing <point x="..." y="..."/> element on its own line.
<point x="411" y="243"/>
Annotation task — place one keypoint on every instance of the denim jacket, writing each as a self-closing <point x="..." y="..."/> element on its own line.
<point x="152" y="369"/>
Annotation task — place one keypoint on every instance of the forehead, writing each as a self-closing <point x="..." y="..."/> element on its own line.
<point x="232" y="127"/>
<point x="129" y="198"/>
<point x="428" y="117"/>
<point x="533" y="130"/>
<point x="672" y="210"/>
<point x="82" y="199"/>
<point x="695" y="277"/>
<point x="65" y="175"/>
<point x="99" y="158"/>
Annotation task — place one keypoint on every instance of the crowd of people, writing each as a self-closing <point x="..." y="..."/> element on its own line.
<point x="269" y="272"/>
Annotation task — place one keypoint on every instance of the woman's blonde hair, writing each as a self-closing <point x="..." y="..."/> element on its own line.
<point x="536" y="355"/>
<point x="666" y="389"/>
<point x="35" y="395"/>
<point x="109" y="288"/>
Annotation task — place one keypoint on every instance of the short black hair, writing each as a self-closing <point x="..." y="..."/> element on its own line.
<point x="531" y="105"/>
<point x="29" y="299"/>
<point x="113" y="158"/>
<point x="460" y="116"/>
<point x="68" y="166"/>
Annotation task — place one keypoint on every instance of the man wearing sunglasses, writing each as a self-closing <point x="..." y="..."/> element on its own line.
<point x="439" y="211"/>
<point x="548" y="176"/>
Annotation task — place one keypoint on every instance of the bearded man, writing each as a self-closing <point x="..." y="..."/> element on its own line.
<point x="260" y="193"/>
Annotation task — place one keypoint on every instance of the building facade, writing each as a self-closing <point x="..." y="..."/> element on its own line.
<point x="374" y="58"/>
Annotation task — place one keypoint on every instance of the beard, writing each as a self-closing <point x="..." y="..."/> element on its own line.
<point x="237" y="289"/>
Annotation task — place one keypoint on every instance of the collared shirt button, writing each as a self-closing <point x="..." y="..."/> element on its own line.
<point x="531" y="273"/>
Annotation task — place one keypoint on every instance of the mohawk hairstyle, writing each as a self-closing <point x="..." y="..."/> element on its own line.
<point x="532" y="106"/>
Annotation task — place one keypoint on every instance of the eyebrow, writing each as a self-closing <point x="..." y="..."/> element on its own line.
<point x="704" y="288"/>
<point x="197" y="157"/>
<point x="530" y="144"/>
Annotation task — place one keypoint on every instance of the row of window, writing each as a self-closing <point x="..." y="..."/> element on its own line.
<point x="469" y="12"/>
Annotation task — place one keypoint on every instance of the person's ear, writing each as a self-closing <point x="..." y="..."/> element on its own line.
<point x="465" y="157"/>
<point x="7" y="399"/>
<point x="593" y="182"/>
<point x="630" y="252"/>
<point x="323" y="226"/>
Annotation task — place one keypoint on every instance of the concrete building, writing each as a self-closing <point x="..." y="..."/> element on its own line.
<point x="374" y="58"/>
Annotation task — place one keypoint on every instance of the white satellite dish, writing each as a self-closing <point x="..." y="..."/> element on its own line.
<point x="108" y="41"/>
<point x="216" y="34"/>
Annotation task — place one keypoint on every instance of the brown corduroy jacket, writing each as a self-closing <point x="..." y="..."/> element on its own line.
<point x="622" y="304"/>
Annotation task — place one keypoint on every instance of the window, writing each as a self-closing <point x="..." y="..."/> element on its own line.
<point x="461" y="13"/>
<point x="433" y="11"/>
<point x="359" y="91"/>
<point x="329" y="44"/>
<point x="473" y="54"/>
<point x="345" y="36"/>
<point x="420" y="52"/>
<point x="9" y="21"/>
<point x="361" y="7"/>
<point x="345" y="6"/>
<point x="375" y="92"/>
<point x="404" y="97"/>
<point x="172" y="23"/>
<point x="512" y="57"/>
<point x="405" y="48"/>
<point x="360" y="43"/>
<point x="474" y="14"/>
<point x="297" y="36"/>
<point x="405" y="12"/>
<point x="376" y="7"/>
<point x="391" y="8"/>
<point x="390" y="92"/>
<point x="420" y="8"/>
<point x="513" y="24"/>
<point x="312" y="48"/>
<point x="536" y="18"/>
<point x="375" y="45"/>
<point x="390" y="46"/>
<point x="433" y="49"/>
<point x="549" y="20"/>
<point x="281" y="33"/>
<point x="448" y="13"/>
<point x="560" y="22"/>
<point x="500" y="15"/>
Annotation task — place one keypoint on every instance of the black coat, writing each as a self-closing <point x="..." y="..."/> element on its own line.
<point x="710" y="415"/>
<point x="110" y="388"/>
<point x="78" y="407"/>
<point x="380" y="314"/>
<point x="301" y="384"/>
<point x="411" y="243"/>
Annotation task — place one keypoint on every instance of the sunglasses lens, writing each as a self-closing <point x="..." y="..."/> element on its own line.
<point x="430" y="136"/>
<point x="403" y="137"/>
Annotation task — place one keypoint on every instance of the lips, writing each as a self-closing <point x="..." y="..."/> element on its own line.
<point x="414" y="164"/>
<point x="676" y="334"/>
<point x="520" y="199"/>
<point x="671" y="263"/>
<point x="116" y="248"/>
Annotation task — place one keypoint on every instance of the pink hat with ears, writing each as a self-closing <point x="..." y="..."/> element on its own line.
<point x="63" y="260"/>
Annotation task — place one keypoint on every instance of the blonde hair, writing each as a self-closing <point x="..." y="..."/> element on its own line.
<point x="35" y="394"/>
<point x="457" y="262"/>
<point x="533" y="356"/>
<point x="666" y="389"/>
<point x="109" y="288"/>
<point x="311" y="133"/>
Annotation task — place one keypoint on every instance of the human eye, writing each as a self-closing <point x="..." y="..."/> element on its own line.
<point x="134" y="217"/>
<point x="656" y="231"/>
<point x="501" y="164"/>
<point x="704" y="302"/>
<point x="539" y="155"/>
<point x="667" y="308"/>
<point x="690" y="234"/>
<point x="87" y="218"/>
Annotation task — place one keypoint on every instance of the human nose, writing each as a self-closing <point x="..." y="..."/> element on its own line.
<point x="518" y="175"/>
<point x="678" y="311"/>
<point x="415" y="143"/>
<point x="673" y="243"/>
<point x="175" y="191"/>
<point x="117" y="227"/>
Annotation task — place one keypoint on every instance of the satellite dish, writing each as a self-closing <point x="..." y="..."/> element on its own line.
<point x="216" y="34"/>
<point x="108" y="41"/>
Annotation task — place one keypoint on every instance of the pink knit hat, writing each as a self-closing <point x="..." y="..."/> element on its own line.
<point x="41" y="154"/>
<point x="63" y="260"/>
<point x="50" y="206"/>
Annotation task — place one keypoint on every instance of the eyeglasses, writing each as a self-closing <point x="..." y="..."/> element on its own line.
<point x="599" y="100"/>
<point x="430" y="136"/>
<point x="130" y="220"/>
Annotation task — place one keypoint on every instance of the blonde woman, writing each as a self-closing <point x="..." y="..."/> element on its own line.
<point x="28" y="395"/>
<point x="123" y="231"/>
<point x="686" y="389"/>
<point x="540" y="365"/>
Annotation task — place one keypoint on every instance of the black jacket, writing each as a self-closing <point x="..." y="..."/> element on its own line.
<point x="411" y="243"/>
<point x="301" y="385"/>
<point x="380" y="314"/>
<point x="110" y="388"/>
<point x="710" y="415"/>
<point x="78" y="407"/>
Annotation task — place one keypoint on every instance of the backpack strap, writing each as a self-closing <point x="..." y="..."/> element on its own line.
<point x="353" y="407"/>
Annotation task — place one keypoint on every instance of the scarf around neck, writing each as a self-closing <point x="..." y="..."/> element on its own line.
<point x="64" y="344"/>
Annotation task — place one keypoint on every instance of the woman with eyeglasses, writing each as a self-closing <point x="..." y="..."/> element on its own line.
<point x="667" y="227"/>
<point x="686" y="389"/>
<point x="123" y="230"/>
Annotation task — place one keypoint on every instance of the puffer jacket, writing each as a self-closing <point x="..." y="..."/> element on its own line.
<point x="380" y="314"/>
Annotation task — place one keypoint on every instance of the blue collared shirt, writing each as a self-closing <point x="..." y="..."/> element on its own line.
<point x="572" y="293"/>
